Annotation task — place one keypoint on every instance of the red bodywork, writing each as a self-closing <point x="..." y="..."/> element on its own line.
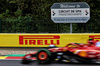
<point x="83" y="50"/>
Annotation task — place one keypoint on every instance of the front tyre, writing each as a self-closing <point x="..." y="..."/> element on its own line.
<point x="43" y="56"/>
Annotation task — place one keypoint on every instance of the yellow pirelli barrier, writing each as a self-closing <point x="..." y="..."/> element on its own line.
<point x="43" y="40"/>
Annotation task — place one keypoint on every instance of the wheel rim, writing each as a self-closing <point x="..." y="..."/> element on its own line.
<point x="42" y="56"/>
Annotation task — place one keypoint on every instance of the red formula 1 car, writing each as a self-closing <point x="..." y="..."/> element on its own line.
<point x="72" y="52"/>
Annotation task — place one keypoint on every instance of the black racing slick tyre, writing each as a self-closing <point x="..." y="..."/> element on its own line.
<point x="43" y="56"/>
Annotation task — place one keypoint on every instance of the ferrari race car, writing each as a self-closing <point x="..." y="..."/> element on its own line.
<point x="72" y="52"/>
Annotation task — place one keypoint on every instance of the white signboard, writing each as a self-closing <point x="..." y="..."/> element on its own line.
<point x="70" y="12"/>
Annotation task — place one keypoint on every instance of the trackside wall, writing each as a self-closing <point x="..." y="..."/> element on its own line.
<point x="44" y="40"/>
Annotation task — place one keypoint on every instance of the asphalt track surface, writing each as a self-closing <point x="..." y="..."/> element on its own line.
<point x="34" y="63"/>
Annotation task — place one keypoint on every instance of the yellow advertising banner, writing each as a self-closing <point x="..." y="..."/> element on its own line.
<point x="44" y="40"/>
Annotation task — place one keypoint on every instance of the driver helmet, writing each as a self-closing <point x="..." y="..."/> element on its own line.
<point x="52" y="46"/>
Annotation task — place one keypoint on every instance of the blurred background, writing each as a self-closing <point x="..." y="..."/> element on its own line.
<point x="34" y="16"/>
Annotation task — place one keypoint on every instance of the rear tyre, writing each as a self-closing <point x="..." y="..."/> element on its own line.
<point x="43" y="56"/>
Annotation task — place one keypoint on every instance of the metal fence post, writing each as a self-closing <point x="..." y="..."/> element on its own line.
<point x="58" y="28"/>
<point x="0" y="25"/>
